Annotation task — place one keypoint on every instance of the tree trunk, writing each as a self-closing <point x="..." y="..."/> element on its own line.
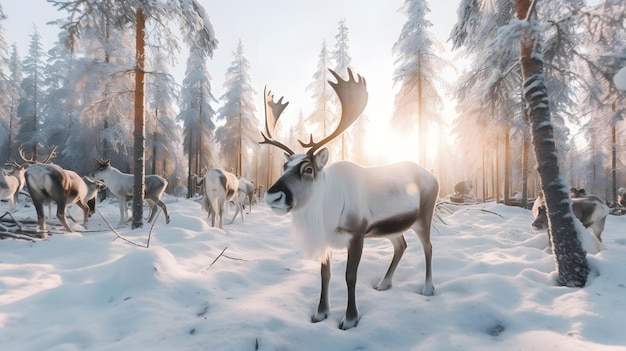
<point x="507" y="165"/>
<point x="571" y="261"/>
<point x="139" y="132"/>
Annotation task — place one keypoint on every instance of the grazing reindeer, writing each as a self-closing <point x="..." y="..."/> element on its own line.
<point x="11" y="182"/>
<point x="94" y="186"/>
<point x="589" y="209"/>
<point x="342" y="204"/>
<point x="246" y="189"/>
<point x="121" y="185"/>
<point x="220" y="187"/>
<point x="47" y="183"/>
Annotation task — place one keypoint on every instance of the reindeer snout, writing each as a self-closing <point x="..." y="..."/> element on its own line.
<point x="279" y="199"/>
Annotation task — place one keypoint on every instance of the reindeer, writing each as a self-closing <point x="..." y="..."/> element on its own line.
<point x="589" y="209"/>
<point x="121" y="185"/>
<point x="11" y="182"/>
<point x="220" y="187"/>
<point x="46" y="183"/>
<point x="94" y="186"/>
<point x="342" y="204"/>
<point x="246" y="189"/>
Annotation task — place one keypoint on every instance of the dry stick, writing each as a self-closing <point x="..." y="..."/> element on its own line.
<point x="7" y="234"/>
<point x="215" y="260"/>
<point x="117" y="234"/>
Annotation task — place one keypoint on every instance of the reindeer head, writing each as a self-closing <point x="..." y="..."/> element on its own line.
<point x="301" y="171"/>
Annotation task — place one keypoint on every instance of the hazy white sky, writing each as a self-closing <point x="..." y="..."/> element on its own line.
<point x="282" y="40"/>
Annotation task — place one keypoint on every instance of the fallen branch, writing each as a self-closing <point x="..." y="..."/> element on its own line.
<point x="218" y="257"/>
<point x="127" y="240"/>
<point x="6" y="234"/>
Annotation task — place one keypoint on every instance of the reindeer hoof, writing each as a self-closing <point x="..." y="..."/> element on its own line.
<point x="348" y="324"/>
<point x="318" y="317"/>
<point x="429" y="290"/>
<point x="383" y="285"/>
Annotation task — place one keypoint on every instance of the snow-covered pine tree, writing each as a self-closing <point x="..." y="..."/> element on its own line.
<point x="29" y="109"/>
<point x="342" y="59"/>
<point x="194" y="26"/>
<point x="196" y="116"/>
<point x="418" y="72"/>
<point x="321" y="93"/>
<point x="162" y="132"/>
<point x="238" y="136"/>
<point x="571" y="261"/>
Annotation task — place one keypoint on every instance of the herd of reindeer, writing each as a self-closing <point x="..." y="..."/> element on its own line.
<point x="332" y="206"/>
<point x="49" y="183"/>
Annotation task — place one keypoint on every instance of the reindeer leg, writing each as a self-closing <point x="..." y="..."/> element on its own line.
<point x="164" y="208"/>
<point x="324" y="306"/>
<point x="61" y="215"/>
<point x="355" y="250"/>
<point x="85" y="209"/>
<point x="152" y="207"/>
<point x="422" y="228"/>
<point x="41" y="217"/>
<point x="399" y="246"/>
<point x="123" y="210"/>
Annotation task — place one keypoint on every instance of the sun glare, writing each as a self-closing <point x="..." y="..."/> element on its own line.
<point x="384" y="146"/>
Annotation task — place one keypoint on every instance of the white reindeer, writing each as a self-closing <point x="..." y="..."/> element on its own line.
<point x="246" y="190"/>
<point x="340" y="205"/>
<point x="220" y="187"/>
<point x="11" y="182"/>
<point x="121" y="185"/>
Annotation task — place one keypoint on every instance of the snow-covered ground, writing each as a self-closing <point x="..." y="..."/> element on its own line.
<point x="247" y="287"/>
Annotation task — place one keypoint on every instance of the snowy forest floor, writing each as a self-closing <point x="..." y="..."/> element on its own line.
<point x="247" y="287"/>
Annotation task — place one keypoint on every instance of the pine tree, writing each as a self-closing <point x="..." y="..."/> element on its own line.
<point x="571" y="261"/>
<point x="341" y="56"/>
<point x="29" y="110"/>
<point x="196" y="115"/>
<point x="194" y="26"/>
<point x="419" y="73"/>
<point x="238" y="137"/>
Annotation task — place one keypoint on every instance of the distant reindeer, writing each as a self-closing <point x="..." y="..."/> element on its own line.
<point x="220" y="187"/>
<point x="621" y="198"/>
<point x="246" y="189"/>
<point x="342" y="204"/>
<point x="121" y="185"/>
<point x="11" y="182"/>
<point x="589" y="209"/>
<point x="464" y="187"/>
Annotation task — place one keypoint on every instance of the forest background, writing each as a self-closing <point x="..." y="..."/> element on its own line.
<point x="451" y="103"/>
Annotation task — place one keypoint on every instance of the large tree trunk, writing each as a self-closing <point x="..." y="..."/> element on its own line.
<point x="571" y="261"/>
<point x="139" y="132"/>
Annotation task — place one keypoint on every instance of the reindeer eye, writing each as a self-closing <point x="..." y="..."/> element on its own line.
<point x="308" y="170"/>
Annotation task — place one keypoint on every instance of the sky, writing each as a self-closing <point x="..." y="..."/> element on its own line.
<point x="282" y="40"/>
<point x="248" y="287"/>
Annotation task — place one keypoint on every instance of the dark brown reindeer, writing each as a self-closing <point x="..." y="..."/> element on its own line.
<point x="341" y="204"/>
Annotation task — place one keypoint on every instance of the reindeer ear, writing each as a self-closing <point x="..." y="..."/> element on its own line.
<point x="320" y="159"/>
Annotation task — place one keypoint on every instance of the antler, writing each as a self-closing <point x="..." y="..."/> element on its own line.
<point x="33" y="158"/>
<point x="52" y="153"/>
<point x="98" y="162"/>
<point x="272" y="113"/>
<point x="353" y="97"/>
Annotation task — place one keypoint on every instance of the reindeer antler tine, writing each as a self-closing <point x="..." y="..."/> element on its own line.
<point x="273" y="111"/>
<point x="353" y="97"/>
